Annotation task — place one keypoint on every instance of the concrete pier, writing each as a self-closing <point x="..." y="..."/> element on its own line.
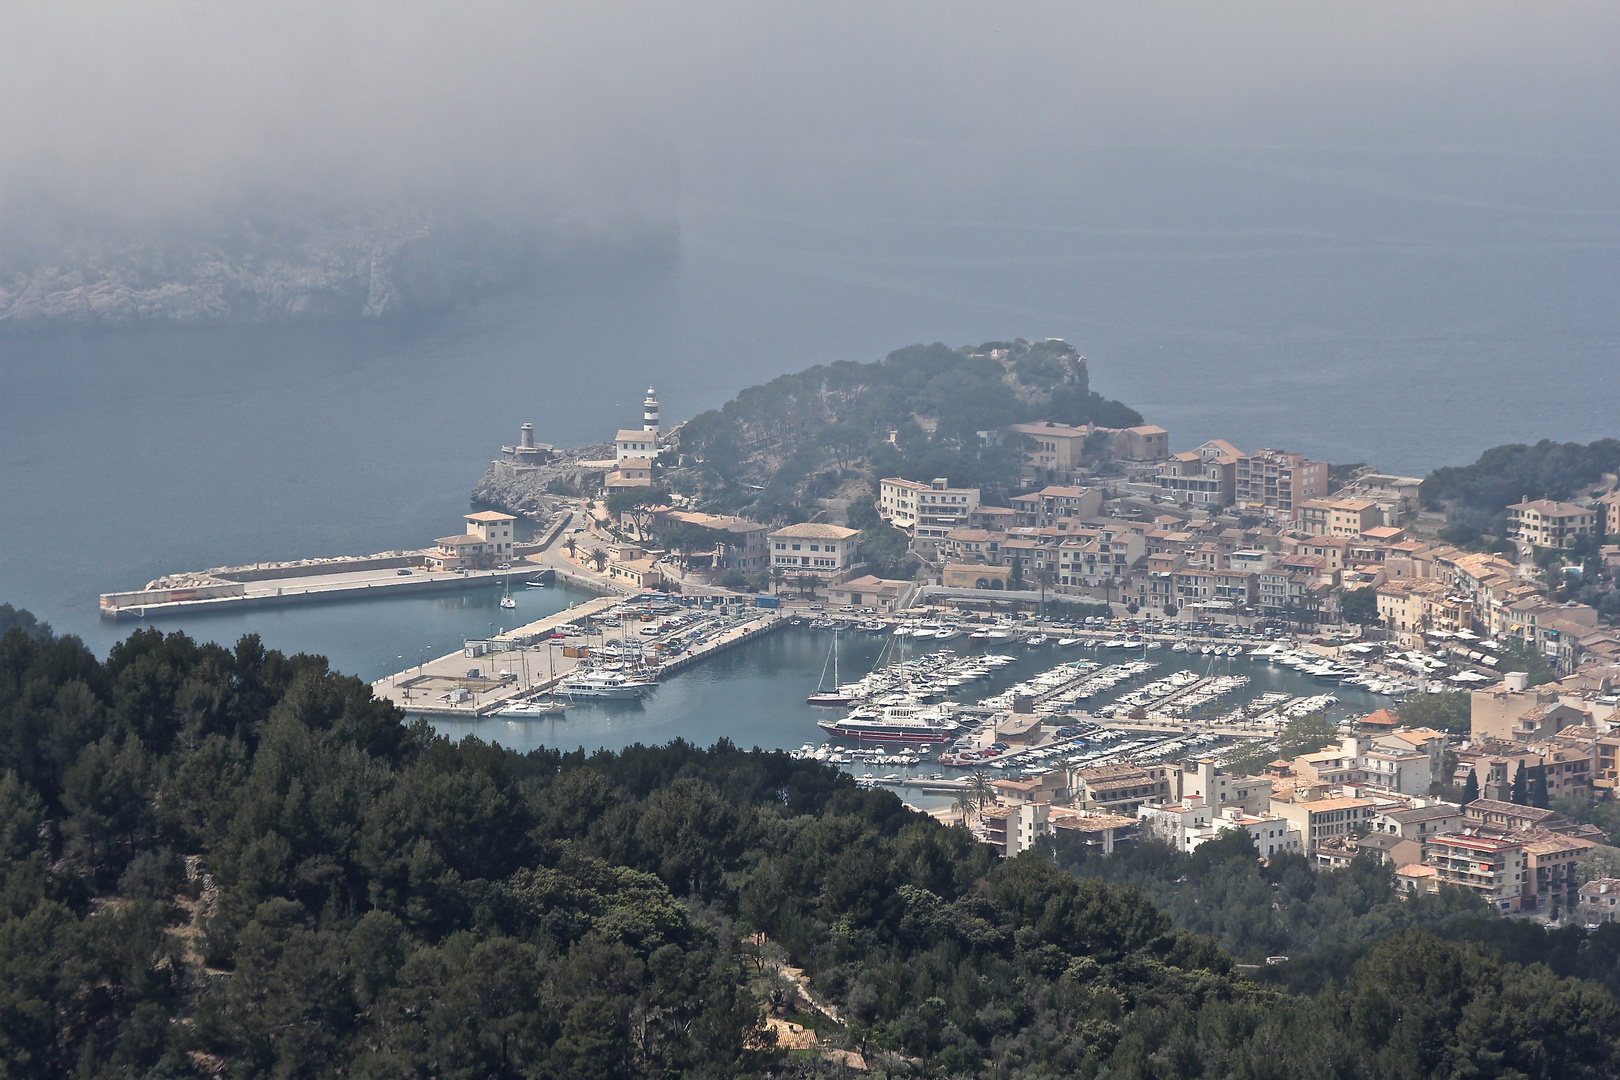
<point x="315" y="588"/>
<point x="534" y="661"/>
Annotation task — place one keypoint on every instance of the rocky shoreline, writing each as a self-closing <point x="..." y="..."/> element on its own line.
<point x="527" y="490"/>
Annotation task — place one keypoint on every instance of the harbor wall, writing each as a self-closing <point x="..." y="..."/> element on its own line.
<point x="409" y="560"/>
<point x="153" y="597"/>
<point x="595" y="586"/>
<point x="136" y="607"/>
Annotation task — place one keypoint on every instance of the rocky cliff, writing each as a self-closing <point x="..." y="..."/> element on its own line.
<point x="358" y="266"/>
<point x="533" y="491"/>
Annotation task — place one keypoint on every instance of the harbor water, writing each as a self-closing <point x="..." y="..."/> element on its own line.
<point x="755" y="694"/>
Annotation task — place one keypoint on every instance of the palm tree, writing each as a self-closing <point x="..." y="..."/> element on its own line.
<point x="599" y="557"/>
<point x="980" y="786"/>
<point x="807" y="585"/>
<point x="777" y="575"/>
<point x="964" y="804"/>
<point x="572" y="545"/>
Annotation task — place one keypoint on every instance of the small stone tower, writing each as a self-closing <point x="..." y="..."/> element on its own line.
<point x="649" y="412"/>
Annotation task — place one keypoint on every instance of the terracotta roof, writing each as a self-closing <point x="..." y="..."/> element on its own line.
<point x="815" y="531"/>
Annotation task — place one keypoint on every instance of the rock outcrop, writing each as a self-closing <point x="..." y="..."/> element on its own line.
<point x="531" y="491"/>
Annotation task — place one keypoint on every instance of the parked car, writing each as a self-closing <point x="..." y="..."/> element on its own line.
<point x="402" y="572"/>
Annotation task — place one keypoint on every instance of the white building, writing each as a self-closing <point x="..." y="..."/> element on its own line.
<point x="1272" y="835"/>
<point x="1172" y="823"/>
<point x="639" y="447"/>
<point x="828" y="551"/>
<point x="1190" y="823"/>
<point x="931" y="509"/>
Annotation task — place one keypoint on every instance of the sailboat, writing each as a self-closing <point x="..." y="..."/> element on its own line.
<point x="533" y="708"/>
<point x="506" y="596"/>
<point x="834" y="695"/>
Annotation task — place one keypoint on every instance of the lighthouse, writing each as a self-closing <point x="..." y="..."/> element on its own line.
<point x="649" y="413"/>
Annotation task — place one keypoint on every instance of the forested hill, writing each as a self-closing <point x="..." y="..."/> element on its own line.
<point x="764" y="448"/>
<point x="1476" y="497"/>
<point x="239" y="863"/>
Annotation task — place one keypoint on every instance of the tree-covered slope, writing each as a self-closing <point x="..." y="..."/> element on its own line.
<point x="233" y="862"/>
<point x="1475" y="497"/>
<point x="763" y="449"/>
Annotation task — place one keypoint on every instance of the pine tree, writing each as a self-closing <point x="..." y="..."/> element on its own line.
<point x="1470" y="789"/>
<point x="1521" y="787"/>
<point x="1538" y="788"/>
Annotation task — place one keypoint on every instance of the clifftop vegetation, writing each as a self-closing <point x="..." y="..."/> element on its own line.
<point x="1476" y="497"/>
<point x="775" y="447"/>
<point x="234" y="862"/>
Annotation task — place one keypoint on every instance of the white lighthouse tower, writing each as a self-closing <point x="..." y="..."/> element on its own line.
<point x="649" y="413"/>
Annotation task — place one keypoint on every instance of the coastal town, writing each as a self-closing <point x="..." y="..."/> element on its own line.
<point x="1215" y="541"/>
<point x="1105" y="540"/>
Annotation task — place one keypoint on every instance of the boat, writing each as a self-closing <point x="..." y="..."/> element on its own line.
<point x="950" y="633"/>
<point x="535" y="584"/>
<point x="836" y="695"/>
<point x="871" y="626"/>
<point x="532" y="710"/>
<point x="1180" y="646"/>
<point x="911" y="723"/>
<point x="1068" y="642"/>
<point x="1038" y="639"/>
<point x="506" y="596"/>
<point x="979" y="635"/>
<point x="1154" y="645"/>
<point x="604" y="685"/>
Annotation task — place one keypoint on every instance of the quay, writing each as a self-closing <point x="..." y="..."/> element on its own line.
<point x="489" y="675"/>
<point x="318" y="586"/>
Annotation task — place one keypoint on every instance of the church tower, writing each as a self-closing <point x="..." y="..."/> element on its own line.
<point x="649" y="412"/>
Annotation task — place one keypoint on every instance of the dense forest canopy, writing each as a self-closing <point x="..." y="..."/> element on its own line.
<point x="760" y="449"/>
<point x="234" y="862"/>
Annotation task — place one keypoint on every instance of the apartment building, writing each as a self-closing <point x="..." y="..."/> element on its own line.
<point x="827" y="551"/>
<point x="1272" y="834"/>
<point x="1191" y="823"/>
<point x="1193" y="477"/>
<point x="1276" y="483"/>
<point x="1419" y="822"/>
<point x="746" y="548"/>
<point x="973" y="545"/>
<point x="1202" y="778"/>
<point x="1119" y="789"/>
<point x="993" y="518"/>
<point x="1325" y="816"/>
<point x="1513" y="712"/>
<point x="1550" y="524"/>
<point x="1055" y="450"/>
<point x="1298" y="593"/>
<point x="1235" y="589"/>
<point x="1102" y="557"/>
<point x="1340" y="517"/>
<point x="1609" y="508"/>
<point x="1599" y="901"/>
<point x="931" y="509"/>
<point x="1395" y="496"/>
<point x="1492" y="867"/>
<point x="1057" y="507"/>
<point x="1012" y="829"/>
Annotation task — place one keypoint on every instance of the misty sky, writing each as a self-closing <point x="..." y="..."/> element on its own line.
<point x="600" y="116"/>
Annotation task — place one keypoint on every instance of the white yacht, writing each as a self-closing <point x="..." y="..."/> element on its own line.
<point x="532" y="710"/>
<point x="609" y="685"/>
